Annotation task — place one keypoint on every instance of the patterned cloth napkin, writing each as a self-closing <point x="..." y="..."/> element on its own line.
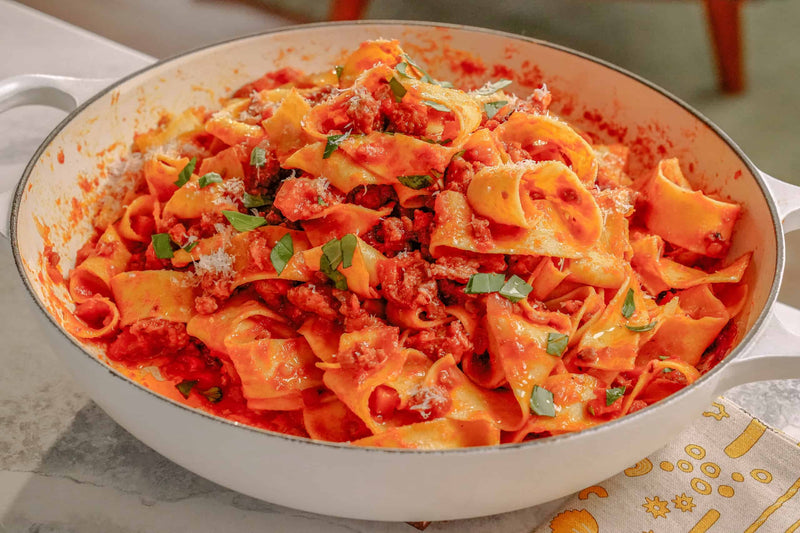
<point x="726" y="473"/>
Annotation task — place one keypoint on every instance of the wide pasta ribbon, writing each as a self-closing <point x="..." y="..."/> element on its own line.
<point x="629" y="320"/>
<point x="93" y="276"/>
<point x="659" y="273"/>
<point x="669" y="197"/>
<point x="366" y="359"/>
<point x="528" y="130"/>
<point x="455" y="228"/>
<point x="571" y="395"/>
<point x="547" y="197"/>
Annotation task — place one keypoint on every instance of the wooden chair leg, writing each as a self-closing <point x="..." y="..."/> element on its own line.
<point x="724" y="19"/>
<point x="348" y="9"/>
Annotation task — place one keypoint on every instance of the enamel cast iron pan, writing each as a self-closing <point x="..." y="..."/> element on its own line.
<point x="388" y="484"/>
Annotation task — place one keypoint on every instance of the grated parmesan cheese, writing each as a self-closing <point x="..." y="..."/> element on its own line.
<point x="428" y="398"/>
<point x="218" y="263"/>
<point x="121" y="167"/>
<point x="231" y="191"/>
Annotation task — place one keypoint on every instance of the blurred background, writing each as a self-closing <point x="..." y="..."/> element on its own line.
<point x="666" y="41"/>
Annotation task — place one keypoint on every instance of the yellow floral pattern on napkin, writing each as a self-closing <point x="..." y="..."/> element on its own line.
<point x="727" y="473"/>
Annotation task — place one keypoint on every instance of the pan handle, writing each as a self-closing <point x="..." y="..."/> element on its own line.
<point x="61" y="92"/>
<point x="774" y="355"/>
<point x="787" y="199"/>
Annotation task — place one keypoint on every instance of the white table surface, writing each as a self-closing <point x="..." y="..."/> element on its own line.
<point x="65" y="466"/>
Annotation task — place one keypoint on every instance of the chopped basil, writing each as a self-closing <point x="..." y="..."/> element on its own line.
<point x="333" y="143"/>
<point x="460" y="153"/>
<point x="332" y="250"/>
<point x="321" y="201"/>
<point x="668" y="370"/>
<point x="349" y="243"/>
<point x="591" y="410"/>
<point x="208" y="179"/>
<point x="557" y="343"/>
<point x="401" y="68"/>
<point x="258" y="157"/>
<point x="242" y="222"/>
<point x="338" y="279"/>
<point x="189" y="247"/>
<point x="185" y="387"/>
<point x="282" y="252"/>
<point x="491" y="108"/>
<point x="411" y="62"/>
<point x="186" y="173"/>
<point x="256" y="200"/>
<point x="483" y="283"/>
<point x="612" y="395"/>
<point x="339" y="69"/>
<point x="162" y="245"/>
<point x="425" y="77"/>
<point x="629" y="306"/>
<point x="213" y="395"/>
<point x="515" y="289"/>
<point x="663" y="357"/>
<point x="542" y="402"/>
<point x="437" y="106"/>
<point x="433" y="141"/>
<point x="647" y="327"/>
<point x="398" y="89"/>
<point x="416" y="181"/>
<point x="493" y="87"/>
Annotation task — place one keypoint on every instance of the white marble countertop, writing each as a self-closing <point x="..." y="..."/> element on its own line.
<point x="65" y="466"/>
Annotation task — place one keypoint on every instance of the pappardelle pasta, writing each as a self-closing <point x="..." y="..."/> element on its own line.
<point x="370" y="255"/>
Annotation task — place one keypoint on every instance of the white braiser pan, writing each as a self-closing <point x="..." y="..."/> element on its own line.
<point x="386" y="484"/>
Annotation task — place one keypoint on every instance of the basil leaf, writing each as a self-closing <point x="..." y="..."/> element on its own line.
<point x="557" y="343"/>
<point x="242" y="222"/>
<point x="663" y="357"/>
<point x="186" y="173"/>
<point x="484" y="283"/>
<point x="333" y="251"/>
<point x="189" y="247"/>
<point x="322" y="202"/>
<point x="398" y="89"/>
<point x="612" y="395"/>
<point x="333" y="143"/>
<point x="647" y="327"/>
<point x="516" y="289"/>
<point x="542" y="402"/>
<point x="162" y="245"/>
<point x="213" y="395"/>
<point x="402" y="69"/>
<point x="437" y="106"/>
<point x="416" y="66"/>
<point x="185" y="387"/>
<point x="416" y="181"/>
<point x="491" y="108"/>
<point x="460" y="153"/>
<point x="668" y="370"/>
<point x="349" y="243"/>
<point x="425" y="76"/>
<point x="258" y="157"/>
<point x="256" y="200"/>
<point x="338" y="279"/>
<point x="493" y="87"/>
<point x="208" y="179"/>
<point x="282" y="252"/>
<point x="338" y="69"/>
<point x="629" y="306"/>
